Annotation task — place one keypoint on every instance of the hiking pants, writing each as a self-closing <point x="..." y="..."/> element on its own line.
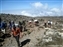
<point x="17" y="39"/>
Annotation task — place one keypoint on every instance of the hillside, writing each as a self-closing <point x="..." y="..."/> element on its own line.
<point x="36" y="36"/>
<point x="8" y="17"/>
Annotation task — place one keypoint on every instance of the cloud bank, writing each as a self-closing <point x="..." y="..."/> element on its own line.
<point x="39" y="9"/>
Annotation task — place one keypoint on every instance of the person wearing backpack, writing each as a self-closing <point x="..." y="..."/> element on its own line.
<point x="21" y="26"/>
<point x="45" y="24"/>
<point x="3" y="26"/>
<point x="24" y="25"/>
<point x="11" y="24"/>
<point x="16" y="34"/>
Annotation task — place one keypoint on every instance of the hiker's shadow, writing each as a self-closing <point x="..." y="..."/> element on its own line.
<point x="25" y="42"/>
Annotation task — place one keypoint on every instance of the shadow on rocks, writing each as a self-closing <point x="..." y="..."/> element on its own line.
<point x="25" y="42"/>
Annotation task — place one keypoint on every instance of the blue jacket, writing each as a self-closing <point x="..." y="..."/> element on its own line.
<point x="2" y="25"/>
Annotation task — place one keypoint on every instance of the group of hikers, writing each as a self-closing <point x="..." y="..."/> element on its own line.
<point x="17" y="29"/>
<point x="32" y="23"/>
<point x="47" y="24"/>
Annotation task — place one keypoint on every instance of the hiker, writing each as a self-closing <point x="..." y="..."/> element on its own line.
<point x="24" y="25"/>
<point x="36" y="22"/>
<point x="11" y="24"/>
<point x="16" y="34"/>
<point x="30" y="23"/>
<point x="20" y="26"/>
<point x="23" y="22"/>
<point x="4" y="25"/>
<point x="49" y="24"/>
<point x="45" y="23"/>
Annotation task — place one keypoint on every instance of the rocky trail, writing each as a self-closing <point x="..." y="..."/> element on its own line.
<point x="29" y="40"/>
<point x="38" y="36"/>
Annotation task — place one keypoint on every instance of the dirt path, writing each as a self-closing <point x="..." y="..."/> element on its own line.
<point x="35" y="36"/>
<point x="33" y="39"/>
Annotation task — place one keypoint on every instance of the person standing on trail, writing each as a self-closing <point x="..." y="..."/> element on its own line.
<point x="49" y="24"/>
<point x="45" y="24"/>
<point x="11" y="24"/>
<point x="20" y="26"/>
<point x="24" y="25"/>
<point x="16" y="34"/>
<point x="36" y="22"/>
<point x="4" y="25"/>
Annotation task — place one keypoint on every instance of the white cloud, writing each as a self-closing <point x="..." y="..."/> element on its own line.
<point x="42" y="14"/>
<point x="55" y="10"/>
<point x="49" y="13"/>
<point x="42" y="10"/>
<point x="25" y="13"/>
<point x="37" y="4"/>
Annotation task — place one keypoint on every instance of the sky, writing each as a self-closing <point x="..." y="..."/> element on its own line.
<point x="32" y="7"/>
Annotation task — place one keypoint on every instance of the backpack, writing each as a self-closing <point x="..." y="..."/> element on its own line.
<point x="4" y="25"/>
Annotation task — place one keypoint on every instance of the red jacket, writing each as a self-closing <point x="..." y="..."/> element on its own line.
<point x="16" y="32"/>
